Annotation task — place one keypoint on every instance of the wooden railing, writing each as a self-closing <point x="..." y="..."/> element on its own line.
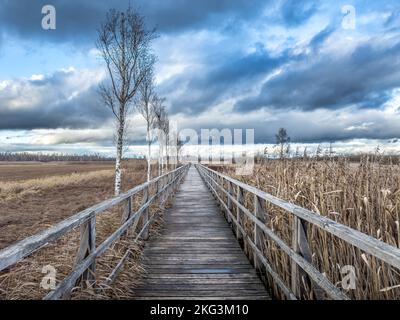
<point x="230" y="194"/>
<point x="137" y="222"/>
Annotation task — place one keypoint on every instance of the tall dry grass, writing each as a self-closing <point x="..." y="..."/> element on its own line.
<point x="10" y="190"/>
<point x="364" y="196"/>
<point x="24" y="279"/>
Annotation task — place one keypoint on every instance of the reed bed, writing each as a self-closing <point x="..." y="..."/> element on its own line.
<point x="364" y="196"/>
<point x="25" y="279"/>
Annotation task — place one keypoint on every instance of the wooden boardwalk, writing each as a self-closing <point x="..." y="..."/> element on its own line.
<point x="197" y="255"/>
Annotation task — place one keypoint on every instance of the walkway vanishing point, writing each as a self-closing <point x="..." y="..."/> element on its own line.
<point x="197" y="255"/>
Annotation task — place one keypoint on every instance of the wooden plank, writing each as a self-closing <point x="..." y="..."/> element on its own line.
<point x="145" y="215"/>
<point x="241" y="298"/>
<point x="259" y="237"/>
<point x="214" y="281"/>
<point x="196" y="253"/>
<point x="228" y="277"/>
<point x="185" y="286"/>
<point x="199" y="293"/>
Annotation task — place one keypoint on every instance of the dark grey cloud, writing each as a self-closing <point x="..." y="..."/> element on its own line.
<point x="309" y="80"/>
<point x="50" y="103"/>
<point x="231" y="75"/>
<point x="77" y="21"/>
<point x="310" y="126"/>
<point x="364" y="78"/>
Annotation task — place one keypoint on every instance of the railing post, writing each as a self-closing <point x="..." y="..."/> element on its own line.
<point x="161" y="190"/>
<point x="127" y="210"/>
<point x="145" y="214"/>
<point x="239" y="199"/>
<point x="127" y="213"/>
<point x="259" y="236"/>
<point x="230" y="202"/>
<point x="157" y="188"/>
<point x="301" y="246"/>
<point x="86" y="246"/>
<point x="165" y="182"/>
<point x="294" y="267"/>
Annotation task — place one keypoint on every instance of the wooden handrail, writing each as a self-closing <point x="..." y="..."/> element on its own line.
<point x="385" y="252"/>
<point x="86" y="220"/>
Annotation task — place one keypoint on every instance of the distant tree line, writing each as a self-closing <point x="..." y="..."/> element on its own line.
<point x="27" y="156"/>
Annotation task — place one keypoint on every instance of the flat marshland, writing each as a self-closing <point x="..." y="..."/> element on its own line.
<point x="43" y="194"/>
<point x="364" y="195"/>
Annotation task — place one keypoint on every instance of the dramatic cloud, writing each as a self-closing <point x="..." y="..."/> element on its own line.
<point x="231" y="76"/>
<point x="66" y="99"/>
<point x="255" y="64"/>
<point x="365" y="77"/>
<point x="77" y="21"/>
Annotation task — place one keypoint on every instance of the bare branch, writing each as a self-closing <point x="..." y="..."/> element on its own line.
<point x="124" y="42"/>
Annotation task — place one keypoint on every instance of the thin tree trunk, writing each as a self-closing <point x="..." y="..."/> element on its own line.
<point x="120" y="142"/>
<point x="118" y="162"/>
<point x="166" y="156"/>
<point x="148" y="154"/>
<point x="159" y="159"/>
<point x="162" y="160"/>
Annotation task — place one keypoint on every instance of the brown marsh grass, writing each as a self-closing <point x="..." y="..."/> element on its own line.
<point x="32" y="205"/>
<point x="363" y="195"/>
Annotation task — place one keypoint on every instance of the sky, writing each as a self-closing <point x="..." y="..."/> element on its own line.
<point x="327" y="71"/>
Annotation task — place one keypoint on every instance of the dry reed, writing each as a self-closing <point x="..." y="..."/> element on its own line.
<point x="364" y="196"/>
<point x="24" y="279"/>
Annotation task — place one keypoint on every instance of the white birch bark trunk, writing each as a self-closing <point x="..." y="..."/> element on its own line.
<point x="118" y="161"/>
<point x="120" y="142"/>
<point x="148" y="153"/>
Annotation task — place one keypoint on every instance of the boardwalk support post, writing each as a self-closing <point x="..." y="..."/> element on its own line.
<point x="229" y="202"/>
<point x="302" y="285"/>
<point x="145" y="214"/>
<point x="86" y="246"/>
<point x="259" y="236"/>
<point x="239" y="199"/>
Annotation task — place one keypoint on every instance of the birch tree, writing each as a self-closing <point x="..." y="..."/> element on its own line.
<point x="146" y="107"/>
<point x="165" y="128"/>
<point x="160" y="122"/>
<point x="124" y="43"/>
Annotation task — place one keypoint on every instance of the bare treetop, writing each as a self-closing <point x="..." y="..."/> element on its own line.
<point x="124" y="42"/>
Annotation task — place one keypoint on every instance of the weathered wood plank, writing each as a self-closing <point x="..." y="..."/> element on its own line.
<point x="197" y="254"/>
